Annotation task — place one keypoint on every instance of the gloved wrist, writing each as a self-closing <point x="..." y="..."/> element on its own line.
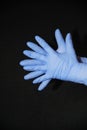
<point x="78" y="73"/>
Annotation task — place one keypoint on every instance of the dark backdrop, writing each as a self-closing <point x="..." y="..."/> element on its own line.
<point x="61" y="105"/>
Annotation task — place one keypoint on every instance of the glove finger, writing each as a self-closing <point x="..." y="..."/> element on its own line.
<point x="34" y="55"/>
<point x="36" y="48"/>
<point x="33" y="75"/>
<point x="69" y="45"/>
<point x="41" y="79"/>
<point x="43" y="85"/>
<point x="44" y="44"/>
<point x="60" y="41"/>
<point x="30" y="62"/>
<point x="35" y="67"/>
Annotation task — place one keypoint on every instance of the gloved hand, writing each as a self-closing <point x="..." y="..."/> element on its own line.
<point x="38" y="49"/>
<point x="53" y="64"/>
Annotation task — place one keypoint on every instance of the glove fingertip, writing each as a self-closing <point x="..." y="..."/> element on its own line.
<point x="36" y="37"/>
<point x="34" y="82"/>
<point x="24" y="52"/>
<point x="25" y="78"/>
<point x="68" y="36"/>
<point x="20" y="63"/>
<point x="57" y="30"/>
<point x="40" y="88"/>
<point x="28" y="43"/>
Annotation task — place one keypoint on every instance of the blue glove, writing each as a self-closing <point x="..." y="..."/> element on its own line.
<point x="50" y="64"/>
<point x="38" y="49"/>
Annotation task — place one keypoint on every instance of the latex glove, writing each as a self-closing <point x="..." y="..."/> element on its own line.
<point x="38" y="49"/>
<point x="28" y="63"/>
<point x="55" y="65"/>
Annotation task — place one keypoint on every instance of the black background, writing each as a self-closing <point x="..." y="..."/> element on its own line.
<point x="61" y="105"/>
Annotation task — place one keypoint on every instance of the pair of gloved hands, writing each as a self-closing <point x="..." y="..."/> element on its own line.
<point x="45" y="63"/>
